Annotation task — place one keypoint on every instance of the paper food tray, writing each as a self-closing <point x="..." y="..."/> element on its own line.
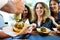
<point x="9" y="30"/>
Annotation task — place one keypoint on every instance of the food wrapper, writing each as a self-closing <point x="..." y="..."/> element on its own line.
<point x="9" y="30"/>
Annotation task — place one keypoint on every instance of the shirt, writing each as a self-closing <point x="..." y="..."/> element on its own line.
<point x="8" y="17"/>
<point x="1" y="21"/>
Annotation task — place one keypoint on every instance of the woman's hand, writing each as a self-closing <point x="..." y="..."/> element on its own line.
<point x="58" y="26"/>
<point x="29" y="30"/>
<point x="33" y="25"/>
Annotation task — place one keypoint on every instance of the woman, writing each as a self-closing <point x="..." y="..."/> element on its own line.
<point x="26" y="15"/>
<point x="54" y="8"/>
<point x="42" y="19"/>
<point x="41" y="13"/>
<point x="54" y="12"/>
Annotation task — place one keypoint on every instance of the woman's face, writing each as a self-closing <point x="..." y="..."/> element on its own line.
<point x="39" y="10"/>
<point x="25" y="12"/>
<point x="54" y="6"/>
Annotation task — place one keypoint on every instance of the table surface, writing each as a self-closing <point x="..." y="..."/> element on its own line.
<point x="51" y="36"/>
<point x="35" y="36"/>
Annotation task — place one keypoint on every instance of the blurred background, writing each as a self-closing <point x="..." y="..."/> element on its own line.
<point x="31" y="3"/>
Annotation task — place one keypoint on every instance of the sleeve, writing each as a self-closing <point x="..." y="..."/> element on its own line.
<point x="2" y="24"/>
<point x="48" y="23"/>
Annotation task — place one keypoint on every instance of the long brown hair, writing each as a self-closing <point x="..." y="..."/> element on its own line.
<point x="29" y="13"/>
<point x="46" y="11"/>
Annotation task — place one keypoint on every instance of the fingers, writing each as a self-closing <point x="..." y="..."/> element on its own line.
<point x="33" y="25"/>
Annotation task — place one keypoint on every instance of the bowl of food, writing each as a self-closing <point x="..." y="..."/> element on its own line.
<point x="18" y="26"/>
<point x="43" y="31"/>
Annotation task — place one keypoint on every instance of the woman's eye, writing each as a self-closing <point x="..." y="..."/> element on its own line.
<point x="41" y="7"/>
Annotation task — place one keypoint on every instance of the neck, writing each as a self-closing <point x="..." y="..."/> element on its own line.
<point x="24" y="18"/>
<point x="55" y="14"/>
<point x="39" y="18"/>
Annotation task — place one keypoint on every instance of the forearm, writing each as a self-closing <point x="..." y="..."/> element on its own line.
<point x="3" y="35"/>
<point x="53" y="20"/>
<point x="55" y="23"/>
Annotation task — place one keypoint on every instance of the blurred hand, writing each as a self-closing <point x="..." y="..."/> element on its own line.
<point x="33" y="25"/>
<point x="29" y="30"/>
<point x="58" y="26"/>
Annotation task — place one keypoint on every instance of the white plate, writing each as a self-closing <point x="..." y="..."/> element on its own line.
<point x="48" y="30"/>
<point x="55" y="29"/>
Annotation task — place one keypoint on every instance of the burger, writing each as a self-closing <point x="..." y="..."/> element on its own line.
<point x="18" y="26"/>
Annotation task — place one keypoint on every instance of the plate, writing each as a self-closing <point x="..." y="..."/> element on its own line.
<point x="55" y="29"/>
<point x="39" y="30"/>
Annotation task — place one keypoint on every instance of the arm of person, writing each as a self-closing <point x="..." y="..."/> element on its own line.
<point x="24" y="29"/>
<point x="2" y="34"/>
<point x="47" y="23"/>
<point x="27" y="28"/>
<point x="33" y="28"/>
<point x="53" y="20"/>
